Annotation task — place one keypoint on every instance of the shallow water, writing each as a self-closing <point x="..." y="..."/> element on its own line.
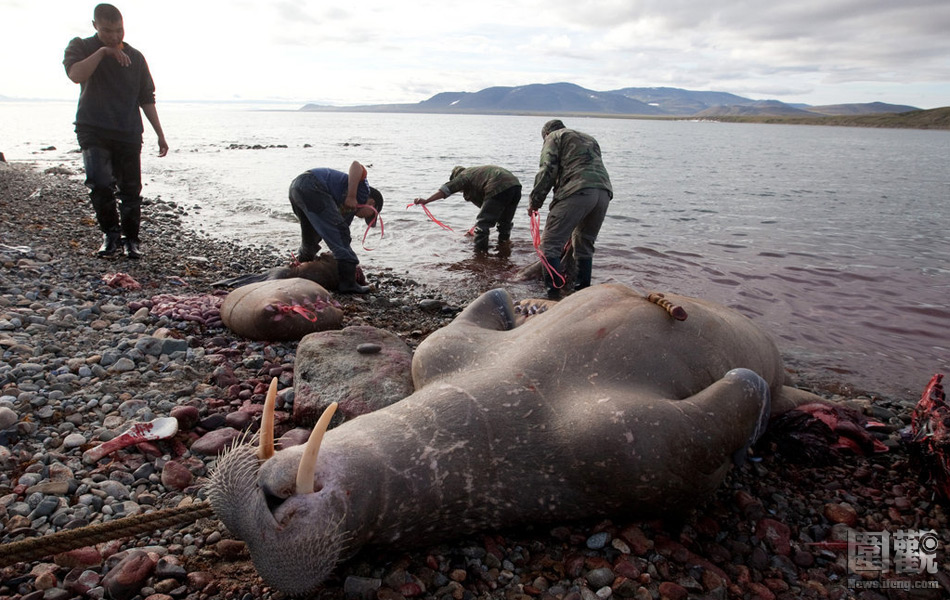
<point x="832" y="238"/>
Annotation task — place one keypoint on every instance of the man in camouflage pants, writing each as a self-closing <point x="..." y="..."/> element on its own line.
<point x="571" y="164"/>
<point x="492" y="189"/>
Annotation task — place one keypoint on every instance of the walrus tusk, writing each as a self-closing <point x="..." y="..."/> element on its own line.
<point x="308" y="462"/>
<point x="266" y="449"/>
<point x="677" y="312"/>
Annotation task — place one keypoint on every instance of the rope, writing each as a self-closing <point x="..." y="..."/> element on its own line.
<point x="536" y="239"/>
<point x="431" y="216"/>
<point x="63" y="541"/>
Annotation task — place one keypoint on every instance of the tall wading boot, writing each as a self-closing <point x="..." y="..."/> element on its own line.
<point x="554" y="292"/>
<point x="348" y="285"/>
<point x="584" y="268"/>
<point x="111" y="241"/>
<point x="481" y="240"/>
<point x="131" y="213"/>
<point x="103" y="202"/>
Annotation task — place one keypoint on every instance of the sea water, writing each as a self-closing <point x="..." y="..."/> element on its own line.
<point x="833" y="239"/>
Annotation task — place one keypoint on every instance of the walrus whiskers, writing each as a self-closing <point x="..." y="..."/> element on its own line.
<point x="308" y="462"/>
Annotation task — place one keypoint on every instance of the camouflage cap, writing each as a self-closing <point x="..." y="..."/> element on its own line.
<point x="552" y="125"/>
<point x="455" y="172"/>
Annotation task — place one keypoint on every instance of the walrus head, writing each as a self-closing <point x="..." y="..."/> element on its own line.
<point x="602" y="403"/>
<point x="258" y="513"/>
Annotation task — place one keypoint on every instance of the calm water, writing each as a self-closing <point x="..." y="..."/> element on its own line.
<point x="834" y="239"/>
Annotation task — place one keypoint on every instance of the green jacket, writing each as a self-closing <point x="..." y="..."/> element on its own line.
<point x="479" y="183"/>
<point x="570" y="162"/>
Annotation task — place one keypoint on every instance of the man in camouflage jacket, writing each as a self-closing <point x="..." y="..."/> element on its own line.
<point x="572" y="165"/>
<point x="492" y="189"/>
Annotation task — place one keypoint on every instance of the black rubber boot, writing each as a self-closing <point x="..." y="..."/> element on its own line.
<point x="554" y="293"/>
<point x="584" y="268"/>
<point x="131" y="213"/>
<point x="131" y="249"/>
<point x="348" y="285"/>
<point x="481" y="240"/>
<point x="111" y="241"/>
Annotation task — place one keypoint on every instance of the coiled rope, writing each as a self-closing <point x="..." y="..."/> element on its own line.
<point x="63" y="541"/>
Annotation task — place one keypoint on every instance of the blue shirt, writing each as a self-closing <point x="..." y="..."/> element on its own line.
<point x="338" y="182"/>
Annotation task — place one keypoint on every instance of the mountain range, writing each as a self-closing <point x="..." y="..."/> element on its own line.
<point x="569" y="98"/>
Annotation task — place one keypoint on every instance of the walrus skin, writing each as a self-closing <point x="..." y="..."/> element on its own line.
<point x="322" y="270"/>
<point x="280" y="310"/>
<point x="602" y="404"/>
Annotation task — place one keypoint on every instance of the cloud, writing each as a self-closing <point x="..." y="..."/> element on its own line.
<point x="380" y="51"/>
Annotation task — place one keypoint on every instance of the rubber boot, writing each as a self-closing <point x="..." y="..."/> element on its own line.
<point x="103" y="202"/>
<point x="584" y="268"/>
<point x="481" y="240"/>
<point x="111" y="242"/>
<point x="554" y="293"/>
<point x="348" y="285"/>
<point x="131" y="213"/>
<point x="504" y="234"/>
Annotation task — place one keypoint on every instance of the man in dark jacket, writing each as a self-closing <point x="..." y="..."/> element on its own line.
<point x="325" y="202"/>
<point x="115" y="84"/>
<point x="571" y="164"/>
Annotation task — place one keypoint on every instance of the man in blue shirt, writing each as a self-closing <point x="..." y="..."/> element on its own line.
<point x="116" y="83"/>
<point x="325" y="201"/>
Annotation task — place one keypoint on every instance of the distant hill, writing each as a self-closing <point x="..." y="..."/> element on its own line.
<point x="935" y="118"/>
<point x="861" y="109"/>
<point x="680" y="102"/>
<point x="553" y="97"/>
<point x="569" y="98"/>
<point x="772" y="108"/>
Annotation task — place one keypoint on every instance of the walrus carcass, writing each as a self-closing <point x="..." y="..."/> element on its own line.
<point x="600" y="405"/>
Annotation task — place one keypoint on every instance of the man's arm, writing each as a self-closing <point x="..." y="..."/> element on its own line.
<point x="151" y="113"/>
<point x="81" y="71"/>
<point x="356" y="174"/>
<point x="544" y="180"/>
<point x="438" y="195"/>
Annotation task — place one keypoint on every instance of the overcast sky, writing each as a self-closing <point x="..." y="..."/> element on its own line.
<point x="387" y="51"/>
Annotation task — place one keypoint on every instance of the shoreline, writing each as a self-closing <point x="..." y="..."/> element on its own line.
<point x="71" y="368"/>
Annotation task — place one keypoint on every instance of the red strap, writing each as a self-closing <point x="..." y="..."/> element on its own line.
<point x="431" y="216"/>
<point x="304" y="312"/>
<point x="536" y="238"/>
<point x="382" y="228"/>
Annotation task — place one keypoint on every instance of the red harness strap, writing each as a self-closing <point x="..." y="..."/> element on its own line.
<point x="536" y="238"/>
<point x="431" y="216"/>
<point x="382" y="229"/>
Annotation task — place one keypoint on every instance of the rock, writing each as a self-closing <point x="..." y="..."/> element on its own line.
<point x="776" y="535"/>
<point x="126" y="578"/>
<point x="176" y="476"/>
<point x="329" y="368"/>
<point x="8" y="418"/>
<point x="214" y="442"/>
<point x="672" y="591"/>
<point x="187" y="416"/>
<point x="841" y="513"/>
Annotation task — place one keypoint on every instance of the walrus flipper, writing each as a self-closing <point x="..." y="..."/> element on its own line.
<point x="241" y="280"/>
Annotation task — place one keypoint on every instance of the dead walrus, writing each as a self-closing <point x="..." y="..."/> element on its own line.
<point x="602" y="404"/>
<point x="322" y="270"/>
<point x="280" y="310"/>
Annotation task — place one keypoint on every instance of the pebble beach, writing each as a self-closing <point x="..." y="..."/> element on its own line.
<point x="89" y="345"/>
